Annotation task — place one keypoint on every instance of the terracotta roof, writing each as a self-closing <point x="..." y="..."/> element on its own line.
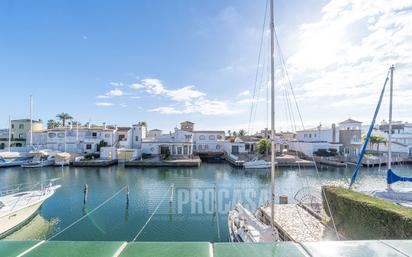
<point x="186" y="122"/>
<point x="208" y="131"/>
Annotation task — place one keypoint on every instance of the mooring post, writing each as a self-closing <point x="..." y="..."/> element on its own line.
<point x="171" y="193"/>
<point x="127" y="195"/>
<point x="85" y="193"/>
<point x="214" y="196"/>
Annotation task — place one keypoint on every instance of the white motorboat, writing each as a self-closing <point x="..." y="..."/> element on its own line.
<point x="41" y="158"/>
<point x="17" y="208"/>
<point x="257" y="164"/>
<point x="62" y="159"/>
<point x="10" y="159"/>
<point x="245" y="227"/>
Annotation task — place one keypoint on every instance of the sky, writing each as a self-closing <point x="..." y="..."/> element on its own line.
<point x="164" y="62"/>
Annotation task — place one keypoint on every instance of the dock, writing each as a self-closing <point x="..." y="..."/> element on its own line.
<point x="330" y="162"/>
<point x="205" y="249"/>
<point x="94" y="163"/>
<point x="147" y="163"/>
<point x="294" y="223"/>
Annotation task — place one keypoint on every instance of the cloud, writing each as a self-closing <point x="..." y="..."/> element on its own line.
<point x="203" y="106"/>
<point x="116" y="84"/>
<point x="345" y="55"/>
<point x="115" y="92"/>
<point x="104" y="104"/>
<point x="244" y="93"/>
<point x="111" y="93"/>
<point x="156" y="87"/>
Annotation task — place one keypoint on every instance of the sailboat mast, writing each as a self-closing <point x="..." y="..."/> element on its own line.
<point x="9" y="134"/>
<point x="390" y="121"/>
<point x="272" y="85"/>
<point x="31" y="120"/>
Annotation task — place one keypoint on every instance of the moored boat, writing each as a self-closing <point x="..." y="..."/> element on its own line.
<point x="17" y="208"/>
<point x="41" y="158"/>
<point x="245" y="227"/>
<point x="11" y="159"/>
<point x="257" y="164"/>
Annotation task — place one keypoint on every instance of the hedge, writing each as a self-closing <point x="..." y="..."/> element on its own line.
<point x="360" y="216"/>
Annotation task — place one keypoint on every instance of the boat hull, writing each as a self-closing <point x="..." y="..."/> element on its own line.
<point x="10" y="222"/>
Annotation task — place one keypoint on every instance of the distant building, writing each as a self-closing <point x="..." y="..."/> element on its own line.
<point x="350" y="137"/>
<point x="401" y="137"/>
<point x="208" y="141"/>
<point x="20" y="133"/>
<point x="178" y="144"/>
<point x="81" y="140"/>
<point x="154" y="133"/>
<point x="187" y="126"/>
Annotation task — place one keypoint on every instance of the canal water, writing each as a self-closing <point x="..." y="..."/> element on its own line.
<point x="193" y="209"/>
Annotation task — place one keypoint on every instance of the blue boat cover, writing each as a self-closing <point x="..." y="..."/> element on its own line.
<point x="391" y="177"/>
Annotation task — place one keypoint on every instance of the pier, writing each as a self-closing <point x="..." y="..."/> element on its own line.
<point x="94" y="163"/>
<point x="156" y="162"/>
<point x="205" y="249"/>
<point x="295" y="223"/>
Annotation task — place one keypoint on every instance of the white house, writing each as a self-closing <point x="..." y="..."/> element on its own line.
<point x="70" y="139"/>
<point x="208" y="141"/>
<point x="178" y="144"/>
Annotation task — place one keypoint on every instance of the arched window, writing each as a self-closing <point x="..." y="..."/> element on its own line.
<point x="201" y="137"/>
<point x="212" y="137"/>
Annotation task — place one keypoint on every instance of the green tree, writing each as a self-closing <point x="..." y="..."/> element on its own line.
<point x="242" y="133"/>
<point x="263" y="146"/>
<point x="376" y="140"/>
<point x="52" y="124"/>
<point x="143" y="123"/>
<point x="63" y="117"/>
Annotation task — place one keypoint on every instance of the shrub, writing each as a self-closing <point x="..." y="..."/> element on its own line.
<point x="90" y="156"/>
<point x="360" y="216"/>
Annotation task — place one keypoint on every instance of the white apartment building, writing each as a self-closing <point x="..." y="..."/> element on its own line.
<point x="81" y="140"/>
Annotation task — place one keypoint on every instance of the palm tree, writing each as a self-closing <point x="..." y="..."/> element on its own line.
<point x="143" y="123"/>
<point x="380" y="140"/>
<point x="63" y="117"/>
<point x="52" y="124"/>
<point x="242" y="133"/>
<point x="263" y="146"/>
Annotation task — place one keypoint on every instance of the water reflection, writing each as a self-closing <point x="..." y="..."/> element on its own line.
<point x="184" y="219"/>
<point x="38" y="228"/>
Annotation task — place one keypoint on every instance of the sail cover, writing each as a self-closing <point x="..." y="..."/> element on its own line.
<point x="362" y="153"/>
<point x="391" y="177"/>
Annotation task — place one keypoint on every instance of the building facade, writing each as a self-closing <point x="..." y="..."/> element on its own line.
<point x="20" y="133"/>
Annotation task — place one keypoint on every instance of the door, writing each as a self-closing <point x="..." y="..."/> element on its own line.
<point x="235" y="149"/>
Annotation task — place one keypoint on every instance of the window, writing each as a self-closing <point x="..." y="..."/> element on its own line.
<point x="217" y="147"/>
<point x="88" y="147"/>
<point x="121" y="137"/>
<point x="94" y="134"/>
<point x="21" y="126"/>
<point x="137" y="138"/>
<point x="201" y="137"/>
<point x="60" y="135"/>
<point x="247" y="146"/>
<point x="212" y="137"/>
<point x="200" y="148"/>
<point x="12" y="126"/>
<point x="179" y="150"/>
<point x="20" y="135"/>
<point x="219" y="137"/>
<point x="310" y="135"/>
<point x="107" y="135"/>
<point x="206" y="147"/>
<point x="52" y="135"/>
<point x="194" y="147"/>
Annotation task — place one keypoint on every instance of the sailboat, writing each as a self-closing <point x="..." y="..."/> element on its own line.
<point x="401" y="197"/>
<point x="18" y="207"/>
<point x="242" y="224"/>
